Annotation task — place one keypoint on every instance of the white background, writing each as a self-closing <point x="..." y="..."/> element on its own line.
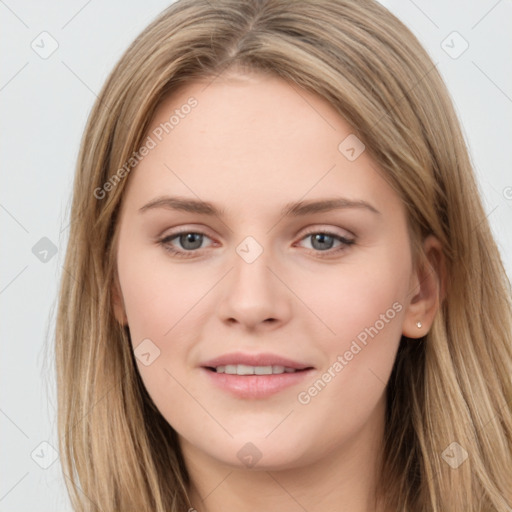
<point x="44" y="106"/>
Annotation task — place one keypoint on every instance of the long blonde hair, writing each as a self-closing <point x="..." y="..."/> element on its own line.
<point x="452" y="386"/>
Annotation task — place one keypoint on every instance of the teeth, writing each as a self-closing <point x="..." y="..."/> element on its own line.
<point x="243" y="369"/>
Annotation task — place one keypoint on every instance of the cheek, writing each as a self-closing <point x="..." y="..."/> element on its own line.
<point x="369" y="300"/>
<point x="157" y="295"/>
<point x="362" y="304"/>
<point x="164" y="304"/>
<point x="357" y="294"/>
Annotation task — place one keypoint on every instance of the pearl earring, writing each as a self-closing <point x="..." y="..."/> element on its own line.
<point x="418" y="325"/>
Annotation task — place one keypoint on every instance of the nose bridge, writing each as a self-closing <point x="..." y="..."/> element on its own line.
<point x="254" y="293"/>
<point x="252" y="276"/>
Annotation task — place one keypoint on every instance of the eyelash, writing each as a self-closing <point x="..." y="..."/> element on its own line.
<point x="346" y="242"/>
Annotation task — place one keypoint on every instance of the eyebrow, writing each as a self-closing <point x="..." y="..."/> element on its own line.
<point x="294" y="209"/>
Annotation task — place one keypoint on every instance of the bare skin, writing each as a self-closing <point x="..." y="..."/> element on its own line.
<point x="250" y="146"/>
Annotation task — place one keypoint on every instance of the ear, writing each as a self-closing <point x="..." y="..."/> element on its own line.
<point x="118" y="303"/>
<point x="426" y="290"/>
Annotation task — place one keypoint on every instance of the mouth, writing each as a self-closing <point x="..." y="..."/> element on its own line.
<point x="244" y="369"/>
<point x="252" y="376"/>
<point x="255" y="382"/>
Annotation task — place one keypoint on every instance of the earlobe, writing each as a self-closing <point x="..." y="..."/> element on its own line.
<point x="426" y="291"/>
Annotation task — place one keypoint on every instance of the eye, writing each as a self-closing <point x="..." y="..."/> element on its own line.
<point x="190" y="241"/>
<point x="323" y="241"/>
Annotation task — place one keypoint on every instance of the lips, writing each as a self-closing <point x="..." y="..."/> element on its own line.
<point x="255" y="376"/>
<point x="255" y="386"/>
<point x="264" y="359"/>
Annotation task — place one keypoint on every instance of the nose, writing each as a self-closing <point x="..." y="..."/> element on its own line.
<point x="254" y="295"/>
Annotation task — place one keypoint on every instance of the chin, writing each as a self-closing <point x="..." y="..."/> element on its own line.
<point x="256" y="453"/>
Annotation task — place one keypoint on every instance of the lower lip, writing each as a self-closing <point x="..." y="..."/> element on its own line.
<point x="256" y="386"/>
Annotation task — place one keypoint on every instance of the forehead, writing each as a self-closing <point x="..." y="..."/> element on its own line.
<point x="256" y="140"/>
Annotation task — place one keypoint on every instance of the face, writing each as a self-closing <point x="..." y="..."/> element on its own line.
<point x="325" y="292"/>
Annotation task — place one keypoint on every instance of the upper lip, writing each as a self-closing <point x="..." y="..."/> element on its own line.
<point x="254" y="360"/>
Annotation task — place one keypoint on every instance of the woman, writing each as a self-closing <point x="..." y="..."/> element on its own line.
<point x="340" y="337"/>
